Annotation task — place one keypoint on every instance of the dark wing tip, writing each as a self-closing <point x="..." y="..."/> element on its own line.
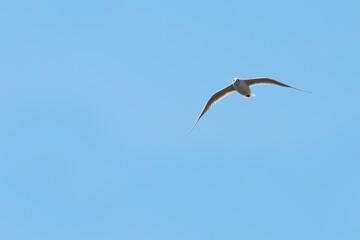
<point x="300" y="89"/>
<point x="194" y="125"/>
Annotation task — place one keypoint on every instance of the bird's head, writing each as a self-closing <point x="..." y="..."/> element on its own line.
<point x="236" y="80"/>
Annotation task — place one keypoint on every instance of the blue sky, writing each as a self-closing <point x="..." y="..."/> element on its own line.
<point x="97" y="99"/>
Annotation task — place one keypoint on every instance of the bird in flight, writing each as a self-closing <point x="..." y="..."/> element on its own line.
<point x="242" y="86"/>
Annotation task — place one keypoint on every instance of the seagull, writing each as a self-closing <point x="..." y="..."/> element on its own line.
<point x="242" y="86"/>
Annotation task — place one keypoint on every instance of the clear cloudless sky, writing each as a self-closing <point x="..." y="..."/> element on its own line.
<point x="97" y="99"/>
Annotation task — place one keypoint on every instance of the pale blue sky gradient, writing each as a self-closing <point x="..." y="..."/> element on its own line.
<point x="97" y="99"/>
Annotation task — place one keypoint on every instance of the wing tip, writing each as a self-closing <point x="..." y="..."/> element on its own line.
<point x="194" y="126"/>
<point x="301" y="90"/>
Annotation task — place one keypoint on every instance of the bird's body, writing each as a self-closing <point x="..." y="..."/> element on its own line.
<point x="242" y="86"/>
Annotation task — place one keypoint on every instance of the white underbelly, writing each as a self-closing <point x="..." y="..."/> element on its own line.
<point x="243" y="89"/>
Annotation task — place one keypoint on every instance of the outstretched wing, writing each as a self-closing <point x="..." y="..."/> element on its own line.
<point x="214" y="99"/>
<point x="268" y="81"/>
